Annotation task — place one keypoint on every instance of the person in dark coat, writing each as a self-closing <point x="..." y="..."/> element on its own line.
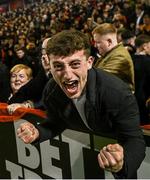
<point x="23" y="58"/>
<point x="84" y="98"/>
<point x="141" y="61"/>
<point x="4" y="83"/>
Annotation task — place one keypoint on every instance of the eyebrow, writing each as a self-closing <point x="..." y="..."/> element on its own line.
<point x="69" y="62"/>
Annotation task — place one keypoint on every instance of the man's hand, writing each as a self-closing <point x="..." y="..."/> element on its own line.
<point x="111" y="157"/>
<point x="27" y="132"/>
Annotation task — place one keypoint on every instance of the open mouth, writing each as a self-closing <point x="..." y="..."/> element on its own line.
<point x="17" y="84"/>
<point x="71" y="87"/>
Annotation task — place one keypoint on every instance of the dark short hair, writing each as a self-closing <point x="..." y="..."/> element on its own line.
<point x="142" y="39"/>
<point x="127" y="34"/>
<point x="17" y="47"/>
<point x="67" y="42"/>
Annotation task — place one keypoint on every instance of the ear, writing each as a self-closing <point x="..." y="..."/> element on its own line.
<point x="144" y="46"/>
<point x="90" y="61"/>
<point x="109" y="40"/>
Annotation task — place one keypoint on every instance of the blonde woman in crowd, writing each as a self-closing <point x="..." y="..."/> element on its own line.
<point x="20" y="75"/>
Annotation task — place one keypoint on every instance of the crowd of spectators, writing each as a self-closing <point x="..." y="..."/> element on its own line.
<point x="26" y="27"/>
<point x="23" y="30"/>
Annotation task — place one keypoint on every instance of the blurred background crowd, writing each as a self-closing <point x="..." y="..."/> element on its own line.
<point x="27" y="26"/>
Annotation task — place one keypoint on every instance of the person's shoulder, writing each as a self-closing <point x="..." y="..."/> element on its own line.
<point x="141" y="58"/>
<point x="111" y="89"/>
<point x="103" y="75"/>
<point x="110" y="82"/>
<point x="3" y="68"/>
<point x="53" y="93"/>
<point x="119" y="52"/>
<point x="121" y="49"/>
<point x="50" y="84"/>
<point x="51" y="88"/>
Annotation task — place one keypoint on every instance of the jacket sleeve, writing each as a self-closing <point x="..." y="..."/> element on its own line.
<point x="54" y="124"/>
<point x="51" y="127"/>
<point x="130" y="136"/>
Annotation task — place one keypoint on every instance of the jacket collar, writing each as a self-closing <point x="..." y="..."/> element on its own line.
<point x="91" y="87"/>
<point x="90" y="94"/>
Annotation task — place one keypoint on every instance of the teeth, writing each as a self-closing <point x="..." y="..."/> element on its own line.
<point x="17" y="84"/>
<point x="73" y="85"/>
<point x="70" y="83"/>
